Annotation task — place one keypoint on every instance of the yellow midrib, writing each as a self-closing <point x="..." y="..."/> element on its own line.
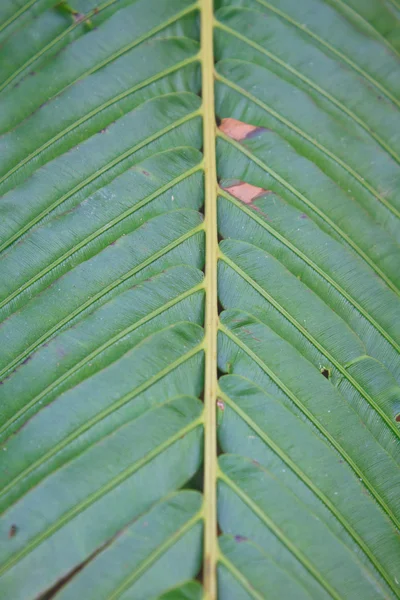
<point x="211" y="308"/>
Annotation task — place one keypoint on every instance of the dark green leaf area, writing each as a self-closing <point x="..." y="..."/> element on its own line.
<point x="333" y="273"/>
<point x="253" y="280"/>
<point x="141" y="542"/>
<point x="114" y="36"/>
<point x="260" y="425"/>
<point x="257" y="503"/>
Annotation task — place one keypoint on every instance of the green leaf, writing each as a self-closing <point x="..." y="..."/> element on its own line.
<point x="199" y="299"/>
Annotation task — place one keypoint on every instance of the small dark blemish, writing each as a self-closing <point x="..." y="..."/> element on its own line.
<point x="78" y="17"/>
<point x="397" y="418"/>
<point x="303" y="216"/>
<point x="146" y="173"/>
<point x="13" y="531"/>
<point x="240" y="538"/>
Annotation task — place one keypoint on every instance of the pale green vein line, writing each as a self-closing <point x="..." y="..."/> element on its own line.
<point x="154" y="556"/>
<point x="314" y="342"/>
<point x="56" y="329"/>
<point x="17" y="14"/>
<point x="106" y="412"/>
<point x="354" y="361"/>
<point x="279" y="534"/>
<point x="314" y="208"/>
<point x="98" y="174"/>
<point x="94" y="354"/>
<point x="358" y="17"/>
<point x="313" y="420"/>
<point x="97" y="297"/>
<point x="96" y="234"/>
<point x="103" y="63"/>
<point x="311" y="84"/>
<point x="240" y="578"/>
<point x="310" y="139"/>
<point x="55" y="41"/>
<point x="309" y="483"/>
<point x="97" y="495"/>
<point x="332" y="49"/>
<point x="314" y="266"/>
<point x="139" y="40"/>
<point x="95" y="112"/>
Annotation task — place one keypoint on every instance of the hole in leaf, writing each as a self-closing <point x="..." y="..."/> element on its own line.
<point x="326" y="372"/>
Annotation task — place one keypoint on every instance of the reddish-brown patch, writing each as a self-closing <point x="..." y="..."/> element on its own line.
<point x="237" y="130"/>
<point x="220" y="404"/>
<point x="245" y="191"/>
<point x="13" y="531"/>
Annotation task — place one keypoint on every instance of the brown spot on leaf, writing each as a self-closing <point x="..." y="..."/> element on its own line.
<point x="13" y="531"/>
<point x="245" y="191"/>
<point x="397" y="418"/>
<point x="240" y="538"/>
